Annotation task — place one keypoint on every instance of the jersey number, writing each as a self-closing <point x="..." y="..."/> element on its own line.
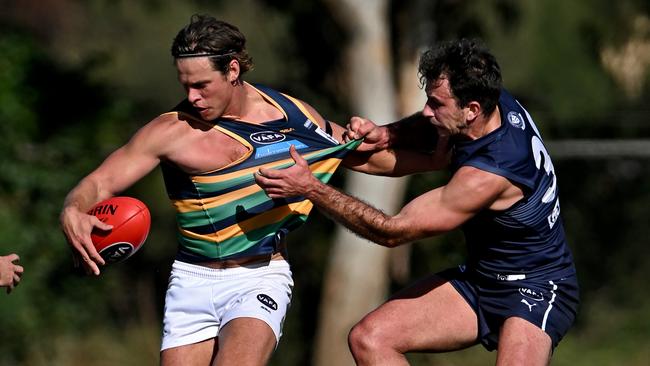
<point x="539" y="153"/>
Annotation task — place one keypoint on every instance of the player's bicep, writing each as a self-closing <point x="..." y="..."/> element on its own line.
<point x="468" y="192"/>
<point x="125" y="166"/>
<point x="427" y="215"/>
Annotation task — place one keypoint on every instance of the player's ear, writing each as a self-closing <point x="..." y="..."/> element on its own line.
<point x="473" y="110"/>
<point x="233" y="71"/>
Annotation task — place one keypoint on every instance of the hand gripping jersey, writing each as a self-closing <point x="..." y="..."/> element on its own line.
<point x="527" y="240"/>
<point x="224" y="214"/>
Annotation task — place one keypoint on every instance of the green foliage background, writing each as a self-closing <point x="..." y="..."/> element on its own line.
<point x="77" y="78"/>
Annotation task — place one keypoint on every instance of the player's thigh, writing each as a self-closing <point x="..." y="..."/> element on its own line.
<point x="198" y="354"/>
<point x="523" y="343"/>
<point x="245" y="341"/>
<point x="429" y="315"/>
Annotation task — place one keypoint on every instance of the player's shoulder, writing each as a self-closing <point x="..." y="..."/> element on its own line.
<point x="164" y="128"/>
<point x="174" y="119"/>
<point x="477" y="180"/>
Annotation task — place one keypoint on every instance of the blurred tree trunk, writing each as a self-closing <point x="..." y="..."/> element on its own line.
<point x="414" y="28"/>
<point x="357" y="277"/>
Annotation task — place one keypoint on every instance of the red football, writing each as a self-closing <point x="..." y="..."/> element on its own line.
<point x="131" y="222"/>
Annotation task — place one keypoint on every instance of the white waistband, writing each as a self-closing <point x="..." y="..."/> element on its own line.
<point x="234" y="272"/>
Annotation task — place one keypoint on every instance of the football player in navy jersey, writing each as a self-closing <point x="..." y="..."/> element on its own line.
<point x="517" y="292"/>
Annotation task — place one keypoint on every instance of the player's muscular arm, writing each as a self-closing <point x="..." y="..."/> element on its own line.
<point x="408" y="146"/>
<point x="433" y="213"/>
<point x="126" y="165"/>
<point x="387" y="161"/>
<point x="437" y="211"/>
<point x="120" y="170"/>
<point x="414" y="132"/>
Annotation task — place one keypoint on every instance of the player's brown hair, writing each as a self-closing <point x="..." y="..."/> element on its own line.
<point x="220" y="41"/>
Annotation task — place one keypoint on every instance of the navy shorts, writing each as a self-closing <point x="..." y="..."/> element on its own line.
<point x="549" y="303"/>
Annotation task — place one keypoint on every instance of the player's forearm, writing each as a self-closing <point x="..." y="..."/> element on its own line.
<point x="84" y="195"/>
<point x="358" y="216"/>
<point x="382" y="162"/>
<point x="414" y="132"/>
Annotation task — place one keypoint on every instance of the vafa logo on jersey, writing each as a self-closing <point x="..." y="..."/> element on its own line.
<point x="267" y="137"/>
<point x="516" y="119"/>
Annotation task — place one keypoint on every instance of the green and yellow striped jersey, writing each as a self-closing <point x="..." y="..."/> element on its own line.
<point x="224" y="214"/>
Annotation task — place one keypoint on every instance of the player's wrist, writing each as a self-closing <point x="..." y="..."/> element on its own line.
<point x="390" y="137"/>
<point x="314" y="189"/>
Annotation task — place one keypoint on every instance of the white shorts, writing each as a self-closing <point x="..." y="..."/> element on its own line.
<point x="201" y="300"/>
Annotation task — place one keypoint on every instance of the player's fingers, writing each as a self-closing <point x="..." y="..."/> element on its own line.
<point x="89" y="256"/>
<point x="273" y="194"/>
<point x="262" y="179"/>
<point x="349" y="134"/>
<point x="268" y="175"/>
<point x="297" y="157"/>
<point x="91" y="250"/>
<point x="16" y="279"/>
<point x="13" y="257"/>
<point x="18" y="269"/>
<point x="90" y="267"/>
<point x="100" y="224"/>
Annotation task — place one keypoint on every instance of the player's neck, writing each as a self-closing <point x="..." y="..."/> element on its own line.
<point x="252" y="107"/>
<point x="484" y="125"/>
<point x="238" y="100"/>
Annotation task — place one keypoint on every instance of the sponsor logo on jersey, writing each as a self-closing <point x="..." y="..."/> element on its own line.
<point x="278" y="148"/>
<point x="516" y="119"/>
<point x="287" y="130"/>
<point x="531" y="294"/>
<point x="267" y="301"/>
<point x="267" y="137"/>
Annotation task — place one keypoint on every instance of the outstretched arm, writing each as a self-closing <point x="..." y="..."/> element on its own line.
<point x="401" y="148"/>
<point x="440" y="210"/>
<point x="411" y="145"/>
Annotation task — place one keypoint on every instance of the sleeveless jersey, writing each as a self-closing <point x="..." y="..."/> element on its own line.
<point x="224" y="214"/>
<point x="527" y="240"/>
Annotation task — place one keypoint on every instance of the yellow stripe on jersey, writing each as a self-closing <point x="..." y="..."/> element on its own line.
<point x="263" y="219"/>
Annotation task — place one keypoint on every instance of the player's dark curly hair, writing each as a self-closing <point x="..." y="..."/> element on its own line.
<point x="471" y="69"/>
<point x="205" y="34"/>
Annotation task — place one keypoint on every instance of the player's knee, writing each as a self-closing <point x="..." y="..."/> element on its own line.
<point x="365" y="338"/>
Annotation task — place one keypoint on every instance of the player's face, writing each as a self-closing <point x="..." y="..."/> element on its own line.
<point x="441" y="108"/>
<point x="209" y="91"/>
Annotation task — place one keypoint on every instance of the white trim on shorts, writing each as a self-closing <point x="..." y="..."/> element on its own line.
<point x="200" y="300"/>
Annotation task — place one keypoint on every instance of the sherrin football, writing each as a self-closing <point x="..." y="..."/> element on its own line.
<point x="131" y="222"/>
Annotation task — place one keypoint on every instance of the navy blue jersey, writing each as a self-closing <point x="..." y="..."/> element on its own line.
<point x="526" y="240"/>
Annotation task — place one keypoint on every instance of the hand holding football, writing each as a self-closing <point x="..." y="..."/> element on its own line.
<point x="131" y="222"/>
